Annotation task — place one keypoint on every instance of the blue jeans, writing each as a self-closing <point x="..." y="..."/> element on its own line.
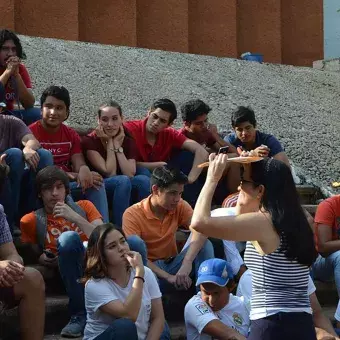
<point x="173" y="266"/>
<point x="29" y="116"/>
<point x="126" y="329"/>
<point x="97" y="197"/>
<point x="71" y="265"/>
<point x="184" y="161"/>
<point x="328" y="269"/>
<point x="119" y="188"/>
<point x="10" y="195"/>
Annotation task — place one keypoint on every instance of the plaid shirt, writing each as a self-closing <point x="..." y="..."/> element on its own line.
<point x="5" y="233"/>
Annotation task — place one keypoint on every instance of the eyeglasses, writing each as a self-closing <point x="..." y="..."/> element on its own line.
<point x="245" y="181"/>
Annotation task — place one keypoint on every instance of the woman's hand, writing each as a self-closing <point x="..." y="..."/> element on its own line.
<point x="136" y="262"/>
<point x="217" y="165"/>
<point x="101" y="134"/>
<point x="119" y="138"/>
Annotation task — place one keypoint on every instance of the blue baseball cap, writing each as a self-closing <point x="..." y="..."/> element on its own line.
<point x="215" y="271"/>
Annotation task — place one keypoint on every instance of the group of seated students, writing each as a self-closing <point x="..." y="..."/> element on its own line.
<point x="60" y="191"/>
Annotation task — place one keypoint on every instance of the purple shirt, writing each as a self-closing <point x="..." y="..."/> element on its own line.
<point x="5" y="233"/>
<point x="12" y="130"/>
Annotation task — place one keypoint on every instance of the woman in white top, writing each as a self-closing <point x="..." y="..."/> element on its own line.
<point x="280" y="247"/>
<point x="122" y="297"/>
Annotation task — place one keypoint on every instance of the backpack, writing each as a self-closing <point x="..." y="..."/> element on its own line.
<point x="41" y="220"/>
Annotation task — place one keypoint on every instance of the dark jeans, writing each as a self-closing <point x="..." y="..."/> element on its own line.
<point x="126" y="329"/>
<point x="29" y="116"/>
<point x="283" y="326"/>
<point x="12" y="190"/>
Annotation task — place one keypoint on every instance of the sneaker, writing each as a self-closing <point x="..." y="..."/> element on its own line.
<point x="75" y="328"/>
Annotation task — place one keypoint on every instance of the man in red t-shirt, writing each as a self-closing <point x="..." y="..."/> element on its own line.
<point x="327" y="235"/>
<point x="156" y="140"/>
<point x="196" y="126"/>
<point x="15" y="78"/>
<point x="64" y="144"/>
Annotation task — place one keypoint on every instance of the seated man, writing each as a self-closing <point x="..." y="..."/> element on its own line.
<point x="156" y="140"/>
<point x="57" y="232"/>
<point x="327" y="231"/>
<point x="154" y="222"/>
<point x="64" y="143"/>
<point x="215" y="313"/>
<point x="19" y="285"/>
<point x="15" y="78"/>
<point x="247" y="138"/>
<point x="19" y="149"/>
<point x="196" y="126"/>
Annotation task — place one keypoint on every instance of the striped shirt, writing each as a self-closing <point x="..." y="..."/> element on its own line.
<point x="278" y="284"/>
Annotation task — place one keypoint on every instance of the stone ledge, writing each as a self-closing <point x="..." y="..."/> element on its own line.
<point x="331" y="65"/>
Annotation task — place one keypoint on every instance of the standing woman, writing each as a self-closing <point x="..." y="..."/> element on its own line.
<point x="112" y="152"/>
<point x="280" y="247"/>
<point x="122" y="297"/>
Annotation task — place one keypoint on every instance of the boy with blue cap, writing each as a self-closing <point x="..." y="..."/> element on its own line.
<point x="215" y="313"/>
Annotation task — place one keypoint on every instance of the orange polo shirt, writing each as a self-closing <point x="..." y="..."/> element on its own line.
<point x="159" y="236"/>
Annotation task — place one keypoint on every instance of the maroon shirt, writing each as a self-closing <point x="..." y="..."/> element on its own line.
<point x="92" y="142"/>
<point x="206" y="139"/>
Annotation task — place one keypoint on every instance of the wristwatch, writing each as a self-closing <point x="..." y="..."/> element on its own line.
<point x="119" y="150"/>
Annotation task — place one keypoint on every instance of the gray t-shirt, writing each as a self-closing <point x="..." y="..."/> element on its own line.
<point x="12" y="130"/>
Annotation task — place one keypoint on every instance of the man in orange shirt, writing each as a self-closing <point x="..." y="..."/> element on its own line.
<point x="151" y="227"/>
<point x="57" y="232"/>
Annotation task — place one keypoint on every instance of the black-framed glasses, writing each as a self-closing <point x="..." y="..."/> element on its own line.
<point x="245" y="180"/>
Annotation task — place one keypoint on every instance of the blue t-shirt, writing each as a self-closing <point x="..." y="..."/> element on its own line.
<point x="260" y="139"/>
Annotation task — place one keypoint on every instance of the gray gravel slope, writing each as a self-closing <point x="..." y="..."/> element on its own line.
<point x="300" y="106"/>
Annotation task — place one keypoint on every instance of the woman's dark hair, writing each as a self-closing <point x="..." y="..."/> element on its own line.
<point x="95" y="261"/>
<point x="165" y="105"/>
<point x="47" y="177"/>
<point x="59" y="92"/>
<point x="281" y="200"/>
<point x="241" y="115"/>
<point x="9" y="35"/>
<point x="110" y="103"/>
<point x="192" y="109"/>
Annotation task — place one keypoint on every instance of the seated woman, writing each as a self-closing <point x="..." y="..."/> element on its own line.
<point x="122" y="297"/>
<point x="111" y="151"/>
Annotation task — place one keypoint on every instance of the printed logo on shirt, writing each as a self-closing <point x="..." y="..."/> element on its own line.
<point x="202" y="308"/>
<point x="238" y="320"/>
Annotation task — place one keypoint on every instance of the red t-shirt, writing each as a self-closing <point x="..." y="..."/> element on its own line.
<point x="328" y="213"/>
<point x="10" y="88"/>
<point x="206" y="139"/>
<point x="166" y="141"/>
<point x="63" y="144"/>
<point x="92" y="142"/>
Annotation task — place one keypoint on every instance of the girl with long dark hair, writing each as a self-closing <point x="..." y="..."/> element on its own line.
<point x="280" y="247"/>
<point x="122" y="297"/>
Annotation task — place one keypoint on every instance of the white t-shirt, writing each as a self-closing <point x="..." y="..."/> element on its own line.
<point x="198" y="314"/>
<point x="101" y="292"/>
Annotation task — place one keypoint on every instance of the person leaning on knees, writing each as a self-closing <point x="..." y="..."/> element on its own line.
<point x="111" y="151"/>
<point x="157" y="140"/>
<point x="20" y="286"/>
<point x="152" y="225"/>
<point x="15" y="78"/>
<point x="122" y="297"/>
<point x="65" y="146"/>
<point x="248" y="138"/>
<point x="23" y="155"/>
<point x="56" y="233"/>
